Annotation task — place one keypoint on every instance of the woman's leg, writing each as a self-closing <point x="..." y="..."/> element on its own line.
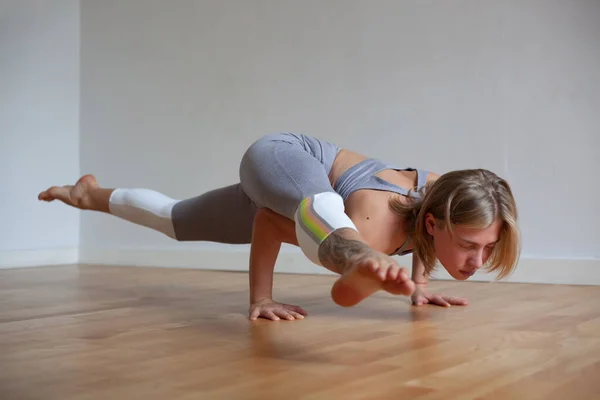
<point x="223" y="215"/>
<point x="279" y="171"/>
<point x="289" y="175"/>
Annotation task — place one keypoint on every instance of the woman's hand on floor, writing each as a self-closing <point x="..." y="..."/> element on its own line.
<point x="275" y="311"/>
<point x="421" y="296"/>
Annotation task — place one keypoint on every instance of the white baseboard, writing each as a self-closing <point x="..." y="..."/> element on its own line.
<point x="566" y="271"/>
<point x="37" y="258"/>
<point x="530" y="270"/>
<point x="206" y="259"/>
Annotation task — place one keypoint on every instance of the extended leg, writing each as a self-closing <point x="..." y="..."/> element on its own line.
<point x="222" y="215"/>
<point x="140" y="206"/>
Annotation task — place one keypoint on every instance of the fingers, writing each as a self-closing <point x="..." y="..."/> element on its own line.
<point x="296" y="309"/>
<point x="277" y="313"/>
<point x="439" y="300"/>
<point x="286" y="313"/>
<point x="255" y="313"/>
<point x="258" y="312"/>
<point x="420" y="300"/>
<point x="271" y="315"/>
<point x="447" y="301"/>
<point x="457" y="301"/>
<point x="296" y="315"/>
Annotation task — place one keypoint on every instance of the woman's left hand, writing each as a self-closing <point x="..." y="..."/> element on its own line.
<point x="421" y="296"/>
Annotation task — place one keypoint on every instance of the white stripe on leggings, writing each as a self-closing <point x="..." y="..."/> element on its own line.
<point x="144" y="207"/>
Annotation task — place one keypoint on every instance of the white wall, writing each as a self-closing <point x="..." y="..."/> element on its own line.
<point x="173" y="93"/>
<point x="39" y="129"/>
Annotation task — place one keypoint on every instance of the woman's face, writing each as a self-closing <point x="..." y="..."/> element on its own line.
<point x="465" y="252"/>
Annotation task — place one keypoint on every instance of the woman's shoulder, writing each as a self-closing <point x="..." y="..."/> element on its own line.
<point x="432" y="176"/>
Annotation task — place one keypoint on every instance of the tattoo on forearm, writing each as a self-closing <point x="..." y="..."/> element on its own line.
<point x="335" y="251"/>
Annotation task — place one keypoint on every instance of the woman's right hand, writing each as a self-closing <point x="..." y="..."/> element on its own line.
<point x="422" y="296"/>
<point x="270" y="309"/>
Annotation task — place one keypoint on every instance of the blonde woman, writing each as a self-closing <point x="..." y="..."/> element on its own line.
<point x="347" y="212"/>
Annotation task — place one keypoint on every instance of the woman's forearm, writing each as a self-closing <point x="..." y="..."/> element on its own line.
<point x="264" y="251"/>
<point x="418" y="271"/>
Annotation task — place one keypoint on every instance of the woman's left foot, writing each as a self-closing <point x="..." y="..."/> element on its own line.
<point x="77" y="195"/>
<point x="368" y="276"/>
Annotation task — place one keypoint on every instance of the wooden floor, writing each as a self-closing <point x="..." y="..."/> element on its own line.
<point x="133" y="333"/>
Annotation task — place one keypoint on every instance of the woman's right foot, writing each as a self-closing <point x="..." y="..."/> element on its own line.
<point x="77" y="195"/>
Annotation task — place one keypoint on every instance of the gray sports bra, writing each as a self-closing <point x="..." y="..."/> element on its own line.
<point x="363" y="176"/>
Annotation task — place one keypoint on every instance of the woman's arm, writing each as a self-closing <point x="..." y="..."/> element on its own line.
<point x="264" y="251"/>
<point x="418" y="270"/>
<point x="270" y="230"/>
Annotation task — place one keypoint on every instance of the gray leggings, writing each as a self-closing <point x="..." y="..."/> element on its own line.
<point x="276" y="172"/>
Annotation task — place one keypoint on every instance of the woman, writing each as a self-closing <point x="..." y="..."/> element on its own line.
<point x="347" y="212"/>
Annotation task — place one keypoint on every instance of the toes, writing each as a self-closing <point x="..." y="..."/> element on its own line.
<point x="403" y="275"/>
<point x="45" y="195"/>
<point x="52" y="193"/>
<point x="382" y="272"/>
<point x="406" y="287"/>
<point x="372" y="266"/>
<point x="392" y="273"/>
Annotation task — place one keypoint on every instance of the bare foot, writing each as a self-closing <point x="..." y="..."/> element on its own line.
<point x="77" y="195"/>
<point x="368" y="275"/>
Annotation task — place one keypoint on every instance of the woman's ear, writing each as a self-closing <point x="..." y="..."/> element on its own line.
<point x="430" y="223"/>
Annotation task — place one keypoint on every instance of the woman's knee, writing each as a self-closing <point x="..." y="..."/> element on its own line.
<point x="316" y="218"/>
<point x="279" y="174"/>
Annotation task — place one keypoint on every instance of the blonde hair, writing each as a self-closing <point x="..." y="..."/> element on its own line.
<point x="473" y="198"/>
